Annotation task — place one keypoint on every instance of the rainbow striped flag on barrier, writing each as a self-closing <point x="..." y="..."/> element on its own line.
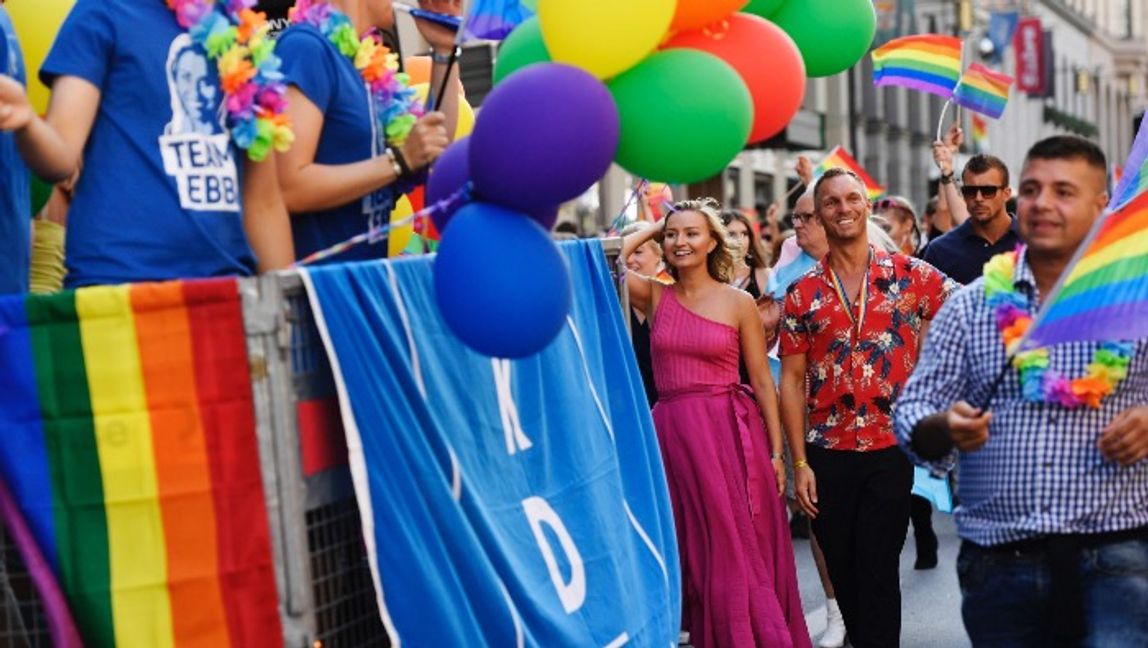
<point x="129" y="446"/>
<point x="983" y="90"/>
<point x="839" y="157"/>
<point x="928" y="62"/>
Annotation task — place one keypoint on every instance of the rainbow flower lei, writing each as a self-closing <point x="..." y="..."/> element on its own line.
<point x="1039" y="384"/>
<point x="397" y="107"/>
<point x="237" y="38"/>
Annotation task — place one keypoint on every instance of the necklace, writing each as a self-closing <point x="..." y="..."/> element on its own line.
<point x="858" y="319"/>
<point x="396" y="105"/>
<point x="237" y="39"/>
<point x="1039" y="384"/>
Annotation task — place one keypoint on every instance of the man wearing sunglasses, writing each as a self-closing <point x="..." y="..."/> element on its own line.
<point x="989" y="229"/>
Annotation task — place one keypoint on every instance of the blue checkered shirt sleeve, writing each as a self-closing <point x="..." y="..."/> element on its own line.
<point x="940" y="378"/>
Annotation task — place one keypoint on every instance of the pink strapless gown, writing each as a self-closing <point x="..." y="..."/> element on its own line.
<point x="738" y="577"/>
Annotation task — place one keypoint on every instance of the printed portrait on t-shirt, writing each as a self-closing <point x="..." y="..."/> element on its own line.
<point x="195" y="144"/>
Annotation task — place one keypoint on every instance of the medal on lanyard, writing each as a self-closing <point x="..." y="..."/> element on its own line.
<point x="858" y="319"/>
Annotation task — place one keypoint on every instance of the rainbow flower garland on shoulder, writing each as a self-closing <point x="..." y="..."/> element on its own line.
<point x="397" y="107"/>
<point x="237" y="38"/>
<point x="1039" y="384"/>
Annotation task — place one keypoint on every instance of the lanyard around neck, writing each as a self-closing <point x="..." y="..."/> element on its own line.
<point x="857" y="319"/>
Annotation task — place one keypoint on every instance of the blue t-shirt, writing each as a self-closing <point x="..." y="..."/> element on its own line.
<point x="15" y="200"/>
<point x="350" y="134"/>
<point x="160" y="194"/>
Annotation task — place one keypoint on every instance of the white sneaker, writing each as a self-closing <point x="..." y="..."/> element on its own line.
<point x="834" y="635"/>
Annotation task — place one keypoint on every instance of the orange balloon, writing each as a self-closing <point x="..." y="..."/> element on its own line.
<point x="696" y="14"/>
<point x="765" y="58"/>
<point x="418" y="68"/>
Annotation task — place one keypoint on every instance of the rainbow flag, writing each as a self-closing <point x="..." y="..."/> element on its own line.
<point x="980" y="133"/>
<point x="839" y="157"/>
<point x="129" y="447"/>
<point x="1104" y="293"/>
<point x="928" y="62"/>
<point x="1133" y="178"/>
<point x="495" y="19"/>
<point x="983" y="90"/>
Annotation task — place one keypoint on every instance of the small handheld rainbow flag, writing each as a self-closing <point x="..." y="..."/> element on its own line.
<point x="983" y="90"/>
<point x="129" y="447"/>
<point x="1103" y="296"/>
<point x="839" y="157"/>
<point x="980" y="134"/>
<point x="928" y="62"/>
<point x="1133" y="178"/>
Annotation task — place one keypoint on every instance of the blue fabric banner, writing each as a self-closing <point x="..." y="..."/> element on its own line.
<point x="504" y="503"/>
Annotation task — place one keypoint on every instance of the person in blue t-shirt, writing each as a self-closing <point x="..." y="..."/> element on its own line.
<point x="165" y="192"/>
<point x="15" y="200"/>
<point x="343" y="174"/>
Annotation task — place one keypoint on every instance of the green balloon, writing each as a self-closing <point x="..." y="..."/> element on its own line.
<point x="685" y="114"/>
<point x="832" y="35"/>
<point x="524" y="46"/>
<point x="763" y="8"/>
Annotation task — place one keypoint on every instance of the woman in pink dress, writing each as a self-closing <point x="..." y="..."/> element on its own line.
<point x="723" y="464"/>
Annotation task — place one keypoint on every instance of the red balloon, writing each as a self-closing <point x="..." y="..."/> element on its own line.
<point x="767" y="60"/>
<point x="696" y="14"/>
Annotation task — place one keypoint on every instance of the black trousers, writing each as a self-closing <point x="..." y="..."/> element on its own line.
<point x="863" y="504"/>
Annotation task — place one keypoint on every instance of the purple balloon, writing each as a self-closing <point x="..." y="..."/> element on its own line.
<point x="450" y="172"/>
<point x="545" y="135"/>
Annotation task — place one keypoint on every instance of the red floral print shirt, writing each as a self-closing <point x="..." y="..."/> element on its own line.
<point x="856" y="365"/>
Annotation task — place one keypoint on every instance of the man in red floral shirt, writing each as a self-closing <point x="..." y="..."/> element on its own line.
<point x="850" y="334"/>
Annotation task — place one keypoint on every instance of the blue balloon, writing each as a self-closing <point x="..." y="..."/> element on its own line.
<point x="544" y="136"/>
<point x="451" y="172"/>
<point x="501" y="284"/>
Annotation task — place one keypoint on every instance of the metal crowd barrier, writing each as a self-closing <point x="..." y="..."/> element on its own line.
<point x="326" y="594"/>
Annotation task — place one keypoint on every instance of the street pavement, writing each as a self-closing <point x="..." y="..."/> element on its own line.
<point x="930" y="599"/>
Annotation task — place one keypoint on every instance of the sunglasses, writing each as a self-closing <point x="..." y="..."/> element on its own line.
<point x="888" y="203"/>
<point x="988" y="192"/>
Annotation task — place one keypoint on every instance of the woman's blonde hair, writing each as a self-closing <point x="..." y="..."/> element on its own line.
<point x="719" y="262"/>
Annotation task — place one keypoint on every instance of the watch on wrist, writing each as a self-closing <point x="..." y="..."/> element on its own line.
<point x="437" y="57"/>
<point x="393" y="158"/>
<point x="947" y="178"/>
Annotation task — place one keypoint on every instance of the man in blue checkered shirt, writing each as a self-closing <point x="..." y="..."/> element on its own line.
<point x="1054" y="500"/>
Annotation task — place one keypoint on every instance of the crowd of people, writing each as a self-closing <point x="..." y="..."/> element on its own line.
<point x="794" y="377"/>
<point x="881" y="359"/>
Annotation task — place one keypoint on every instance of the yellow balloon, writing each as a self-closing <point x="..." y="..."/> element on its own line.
<point x="400" y="237"/>
<point x="36" y="23"/>
<point x="465" y="124"/>
<point x="604" y="37"/>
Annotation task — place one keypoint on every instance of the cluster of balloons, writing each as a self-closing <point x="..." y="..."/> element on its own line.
<point x="669" y="89"/>
<point x="542" y="138"/>
<point x="695" y="80"/>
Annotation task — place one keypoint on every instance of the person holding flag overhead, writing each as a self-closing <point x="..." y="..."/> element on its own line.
<point x="1052" y="442"/>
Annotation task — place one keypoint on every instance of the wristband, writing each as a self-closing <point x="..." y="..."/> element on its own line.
<point x="947" y="178"/>
<point x="397" y="155"/>
<point x="800" y="463"/>
<point x="394" y="159"/>
<point x="444" y="58"/>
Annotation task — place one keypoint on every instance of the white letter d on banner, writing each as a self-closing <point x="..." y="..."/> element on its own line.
<point x="573" y="593"/>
